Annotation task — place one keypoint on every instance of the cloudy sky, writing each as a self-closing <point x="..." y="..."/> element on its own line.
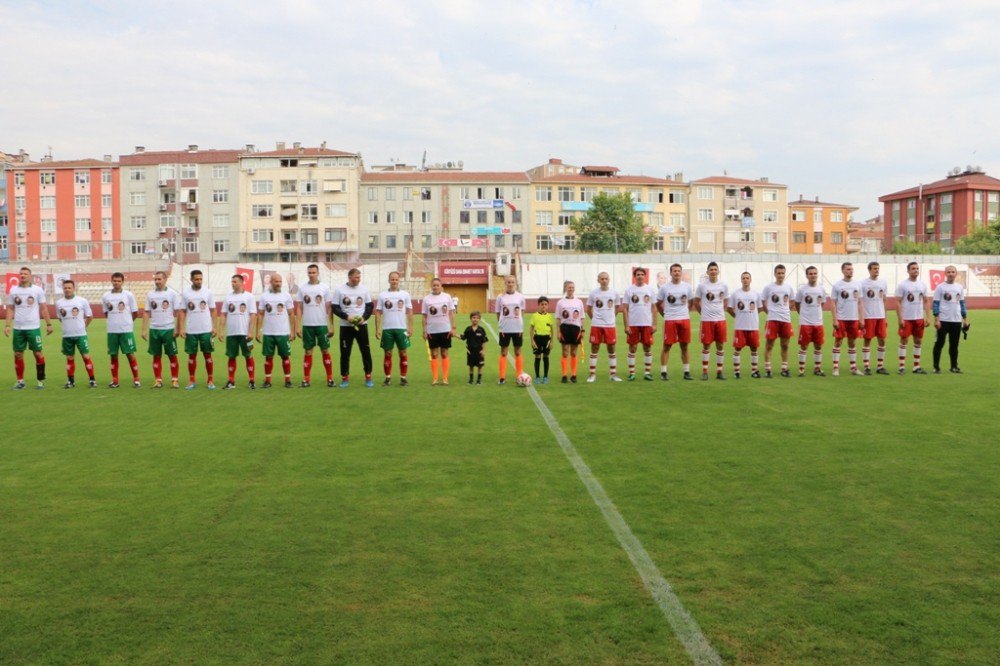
<point x="845" y="100"/>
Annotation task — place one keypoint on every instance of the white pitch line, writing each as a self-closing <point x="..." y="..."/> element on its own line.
<point x="685" y="627"/>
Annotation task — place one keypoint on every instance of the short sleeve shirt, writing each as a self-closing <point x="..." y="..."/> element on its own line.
<point x="746" y="305"/>
<point x="315" y="301"/>
<point x="199" y="304"/>
<point x="604" y="304"/>
<point x="676" y="299"/>
<point x="162" y="307"/>
<point x="238" y="308"/>
<point x="778" y="299"/>
<point x="394" y="305"/>
<point x="72" y="313"/>
<point x="911" y="295"/>
<point x="25" y="301"/>
<point x="712" y="296"/>
<point x="118" y="308"/>
<point x="639" y="301"/>
<point x="275" y="309"/>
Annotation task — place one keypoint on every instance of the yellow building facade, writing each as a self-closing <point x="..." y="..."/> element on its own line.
<point x="730" y="215"/>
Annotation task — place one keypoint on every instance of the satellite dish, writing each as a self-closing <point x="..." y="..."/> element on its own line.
<point x="451" y="164"/>
<point x="461" y="164"/>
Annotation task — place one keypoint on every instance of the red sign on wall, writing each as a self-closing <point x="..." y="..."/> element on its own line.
<point x="464" y="272"/>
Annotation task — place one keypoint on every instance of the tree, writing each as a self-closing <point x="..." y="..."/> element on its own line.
<point x="913" y="247"/>
<point x="611" y="225"/>
<point x="983" y="240"/>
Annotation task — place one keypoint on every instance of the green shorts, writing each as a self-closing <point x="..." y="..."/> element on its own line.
<point x="124" y="342"/>
<point x="394" y="337"/>
<point x="238" y="345"/>
<point x="277" y="343"/>
<point x="315" y="336"/>
<point x="73" y="343"/>
<point x="28" y="339"/>
<point x="195" y="342"/>
<point x="162" y="341"/>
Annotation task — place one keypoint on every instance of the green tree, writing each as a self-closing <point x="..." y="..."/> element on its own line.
<point x="982" y="240"/>
<point x="611" y="225"/>
<point x="913" y="247"/>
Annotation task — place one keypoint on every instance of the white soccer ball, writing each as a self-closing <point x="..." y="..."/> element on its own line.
<point x="523" y="380"/>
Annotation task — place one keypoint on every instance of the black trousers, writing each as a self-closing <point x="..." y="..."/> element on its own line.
<point x="952" y="330"/>
<point x="348" y="334"/>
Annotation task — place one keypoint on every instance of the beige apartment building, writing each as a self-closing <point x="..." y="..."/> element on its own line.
<point x="737" y="215"/>
<point x="449" y="212"/>
<point x="299" y="204"/>
<point x="561" y="192"/>
<point x="180" y="203"/>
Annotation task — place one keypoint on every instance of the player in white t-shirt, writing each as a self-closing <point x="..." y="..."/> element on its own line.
<point x="710" y="301"/>
<point x="509" y="307"/>
<point x="121" y="310"/>
<point x="602" y="308"/>
<point x="353" y="304"/>
<point x="394" y="327"/>
<point x="26" y="307"/>
<point x="159" y="328"/>
<point x="744" y="306"/>
<point x="75" y="315"/>
<point x="640" y="303"/>
<point x="438" y="311"/>
<point x="913" y="311"/>
<point x="777" y="299"/>
<point x="848" y="317"/>
<point x="809" y="300"/>
<point x="673" y="301"/>
<point x="197" y="326"/>
<point x="569" y="316"/>
<point x="276" y="328"/>
<point x="873" y="293"/>
<point x="313" y="310"/>
<point x="237" y="325"/>
<point x="950" y="318"/>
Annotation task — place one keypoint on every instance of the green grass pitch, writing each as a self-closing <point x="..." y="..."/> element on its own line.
<point x="821" y="520"/>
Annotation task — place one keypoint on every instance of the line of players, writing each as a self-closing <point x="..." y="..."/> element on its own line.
<point x="276" y="320"/>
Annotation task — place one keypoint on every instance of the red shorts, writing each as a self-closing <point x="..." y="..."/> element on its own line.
<point x="640" y="335"/>
<point x="847" y="328"/>
<point x="677" y="330"/>
<point x="914" y="327"/>
<point x="713" y="331"/>
<point x="875" y="328"/>
<point x="811" y="335"/>
<point x="603" y="335"/>
<point x="743" y="339"/>
<point x="779" y="329"/>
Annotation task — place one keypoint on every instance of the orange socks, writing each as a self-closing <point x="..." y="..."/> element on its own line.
<point x="564" y="364"/>
<point x="445" y="368"/>
<point x="503" y="367"/>
<point x="573" y="362"/>
<point x="434" y="369"/>
<point x="519" y="364"/>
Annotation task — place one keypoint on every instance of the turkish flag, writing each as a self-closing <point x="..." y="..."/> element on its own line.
<point x="937" y="277"/>
<point x="247" y="274"/>
<point x="13" y="279"/>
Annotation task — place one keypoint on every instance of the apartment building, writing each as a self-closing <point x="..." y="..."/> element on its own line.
<point x="818" y="227"/>
<point x="738" y="215"/>
<point x="64" y="210"/>
<point x="561" y="192"/>
<point x="448" y="211"/>
<point x="181" y="203"/>
<point x="299" y="204"/>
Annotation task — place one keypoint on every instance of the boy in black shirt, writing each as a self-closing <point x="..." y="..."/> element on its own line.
<point x="475" y="337"/>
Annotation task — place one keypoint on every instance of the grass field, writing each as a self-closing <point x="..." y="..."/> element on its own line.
<point x="823" y="520"/>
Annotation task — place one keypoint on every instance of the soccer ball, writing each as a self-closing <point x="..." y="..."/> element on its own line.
<point x="524" y="380"/>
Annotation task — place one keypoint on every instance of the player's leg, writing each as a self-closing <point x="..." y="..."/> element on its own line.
<point x="684" y="337"/>
<point x="918" y="341"/>
<point x="803" y="350"/>
<point x="68" y="346"/>
<point x="435" y="363"/>
<point x="364" y="346"/>
<point x="866" y="349"/>
<point x="595" y="348"/>
<point x="852" y="353"/>
<point x="564" y="360"/>
<point x="537" y="351"/>
<point x="346" y="346"/>
<point x="404" y="358"/>
<point x="308" y="342"/>
<point x="285" y="351"/>
<point x="664" y="359"/>
<point x="954" y="330"/>
<point x="706" y="355"/>
<point x="754" y="361"/>
<point x="445" y="366"/>
<point x="387" y="342"/>
<point x="191" y="349"/>
<point x="942" y="334"/>
<point x="784" y="341"/>
<point x="518" y="358"/>
<point x="207" y="347"/>
<point x="720" y="357"/>
<point x="232" y="353"/>
<point x="35" y="345"/>
<point x="502" y="360"/>
<point x="613" y="362"/>
<point x="880" y="355"/>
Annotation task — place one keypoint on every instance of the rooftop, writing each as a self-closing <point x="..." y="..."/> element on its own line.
<point x="965" y="180"/>
<point x="816" y="203"/>
<point x="64" y="164"/>
<point x="729" y="180"/>
<point x="211" y="156"/>
<point x="417" y="177"/>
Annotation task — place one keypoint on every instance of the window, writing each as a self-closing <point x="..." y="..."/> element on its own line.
<point x="677" y="243"/>
<point x="137" y="174"/>
<point x="657" y="244"/>
<point x="335" y="235"/>
<point x="408" y="217"/>
<point x="817" y="237"/>
<point x="137" y="247"/>
<point x="543" y="193"/>
<point x="220" y="171"/>
<point x="770" y="216"/>
<point x="517" y="240"/>
<point x="262" y="235"/>
<point x="798" y="216"/>
<point x="137" y="222"/>
<point x="189" y="171"/>
<point x="106" y="224"/>
<point x="425" y="193"/>
<point x="137" y="198"/>
<point x="289" y="186"/>
<point x="3" y="242"/>
<point x="543" y="242"/>
<point x="499" y="241"/>
<point x="704" y="193"/>
<point x="463" y="217"/>
<point x="543" y="218"/>
<point x="220" y="244"/>
<point x="480" y="192"/>
<point x="564" y="219"/>
<point x="289" y="237"/>
<point x="565" y="193"/>
<point x="190" y="244"/>
<point x="390" y="242"/>
<point x="19" y="179"/>
<point x="837" y="237"/>
<point x="481" y="216"/>
<point x="262" y="187"/>
<point x="289" y="163"/>
<point x="81" y="177"/>
<point x="81" y="201"/>
<point x="408" y="193"/>
<point x="769" y="237"/>
<point x="48" y="226"/>
<point x="706" y="215"/>
<point x="798" y="237"/>
<point x="47" y="177"/>
<point x="463" y="193"/>
<point x="168" y="221"/>
<point x="220" y="196"/>
<point x="310" y="236"/>
<point x="83" y="224"/>
<point x="390" y="194"/>
<point x="746" y="236"/>
<point x="372" y="242"/>
<point x="372" y="217"/>
<point x="167" y="172"/>
<point x="770" y="195"/>
<point x="636" y="195"/>
<point x="817" y="216"/>
<point x="498" y="193"/>
<point x="220" y="221"/>
<point x="336" y="210"/>
<point x="587" y="193"/>
<point x="169" y="197"/>
<point x="309" y="187"/>
<point x="425" y="217"/>
<point x="105" y="177"/>
<point x="425" y="241"/>
<point x="654" y="196"/>
<point x="677" y="220"/>
<point x="20" y="203"/>
<point x="310" y="211"/>
<point x="105" y="201"/>
<point x="262" y="210"/>
<point x="656" y="219"/>
<point x="837" y="216"/>
<point x="677" y="196"/>
<point x="515" y="217"/>
<point x="499" y="217"/>
<point x="372" y="194"/>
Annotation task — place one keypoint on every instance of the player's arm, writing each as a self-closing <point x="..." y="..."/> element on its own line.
<point x="182" y="320"/>
<point x="409" y="321"/>
<point x="378" y="323"/>
<point x="298" y="308"/>
<point x="451" y="318"/>
<point x="927" y="308"/>
<point x="899" y="308"/>
<point x="44" y="308"/>
<point x="965" y="311"/>
<point x="424" y="315"/>
<point x="221" y="333"/>
<point x="338" y="309"/>
<point x="294" y="323"/>
<point x="254" y="318"/>
<point x="730" y="310"/>
<point x="936" y="308"/>
<point x="144" y="331"/>
<point x="10" y="318"/>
